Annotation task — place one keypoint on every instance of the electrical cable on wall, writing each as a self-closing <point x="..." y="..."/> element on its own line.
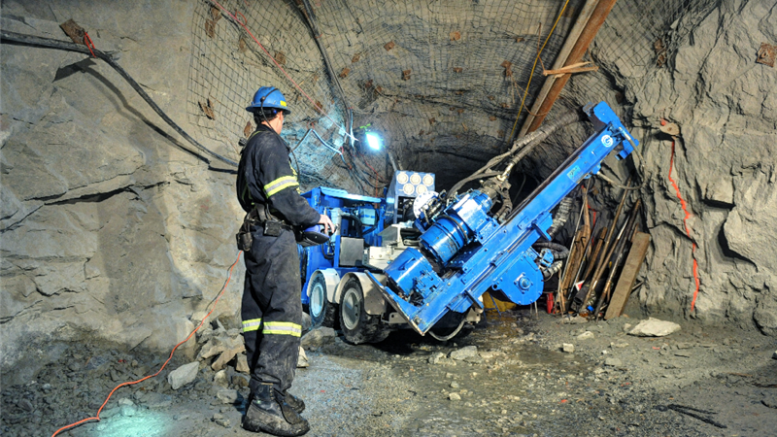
<point x="69" y="46"/>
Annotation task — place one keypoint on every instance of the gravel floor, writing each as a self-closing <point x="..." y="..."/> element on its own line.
<point x="518" y="383"/>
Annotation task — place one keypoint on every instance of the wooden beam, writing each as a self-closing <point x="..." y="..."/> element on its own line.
<point x="561" y="59"/>
<point x="600" y="14"/>
<point x="634" y="261"/>
<point x="568" y="70"/>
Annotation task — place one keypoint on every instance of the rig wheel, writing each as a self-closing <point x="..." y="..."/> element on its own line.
<point x="358" y="326"/>
<point x="322" y="312"/>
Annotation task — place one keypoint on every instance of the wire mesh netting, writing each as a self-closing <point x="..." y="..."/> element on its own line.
<point x="441" y="80"/>
<point x="228" y="66"/>
<point x="637" y="39"/>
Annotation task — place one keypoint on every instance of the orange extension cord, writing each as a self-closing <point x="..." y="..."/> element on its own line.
<point x="687" y="230"/>
<point x="97" y="416"/>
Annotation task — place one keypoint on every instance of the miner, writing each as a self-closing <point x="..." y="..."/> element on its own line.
<point x="268" y="190"/>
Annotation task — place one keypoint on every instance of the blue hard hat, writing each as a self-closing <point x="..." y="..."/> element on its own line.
<point x="268" y="97"/>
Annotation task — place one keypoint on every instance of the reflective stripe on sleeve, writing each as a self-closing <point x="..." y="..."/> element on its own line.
<point x="279" y="184"/>
<point x="251" y="325"/>
<point x="282" y="328"/>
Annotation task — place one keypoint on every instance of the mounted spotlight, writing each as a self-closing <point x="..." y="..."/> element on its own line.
<point x="374" y="141"/>
<point x="368" y="140"/>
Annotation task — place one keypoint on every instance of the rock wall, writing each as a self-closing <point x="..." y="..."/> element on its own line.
<point x="111" y="227"/>
<point x="726" y="107"/>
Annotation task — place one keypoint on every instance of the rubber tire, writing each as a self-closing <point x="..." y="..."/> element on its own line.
<point x="327" y="317"/>
<point x="358" y="326"/>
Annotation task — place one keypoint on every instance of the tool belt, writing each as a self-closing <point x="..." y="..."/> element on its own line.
<point x="260" y="216"/>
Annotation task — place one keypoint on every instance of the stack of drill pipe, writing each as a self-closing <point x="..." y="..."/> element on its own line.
<point x="607" y="251"/>
<point x="589" y="255"/>
<point x="620" y="252"/>
<point x="576" y="254"/>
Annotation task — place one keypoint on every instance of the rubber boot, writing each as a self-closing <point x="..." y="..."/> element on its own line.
<point x="294" y="402"/>
<point x="297" y="404"/>
<point x="266" y="414"/>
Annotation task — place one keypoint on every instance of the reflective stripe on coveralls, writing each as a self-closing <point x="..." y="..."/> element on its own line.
<point x="252" y="325"/>
<point x="282" y="328"/>
<point x="280" y="184"/>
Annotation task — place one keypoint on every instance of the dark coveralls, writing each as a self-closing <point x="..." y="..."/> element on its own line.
<point x="271" y="308"/>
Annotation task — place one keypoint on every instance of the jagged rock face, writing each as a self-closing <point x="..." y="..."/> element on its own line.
<point x="726" y="107"/>
<point x="111" y="229"/>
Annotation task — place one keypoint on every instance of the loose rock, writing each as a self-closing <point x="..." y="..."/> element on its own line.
<point x="302" y="360"/>
<point x="654" y="328"/>
<point x="183" y="375"/>
<point x="221" y="378"/>
<point x="127" y="407"/>
<point x="226" y="357"/>
<point x="489" y="355"/>
<point x="436" y="357"/>
<point x="227" y="396"/>
<point x="239" y="380"/>
<point x="318" y="337"/>
<point x="242" y="364"/>
<point x="613" y="362"/>
<point x="464" y="353"/>
<point x="568" y="348"/>
<point x="307" y="322"/>
<point x="454" y="397"/>
<point x="574" y="320"/>
<point x="219" y="345"/>
<point x="157" y="400"/>
<point x="221" y="420"/>
<point x="586" y="335"/>
<point x="476" y="359"/>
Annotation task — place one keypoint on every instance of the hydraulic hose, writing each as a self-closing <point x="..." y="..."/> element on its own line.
<point x="72" y="47"/>
<point x="552" y="270"/>
<point x="561" y="216"/>
<point x="539" y="136"/>
<point x="525" y="144"/>
<point x="449" y="336"/>
<point x="471" y="178"/>
<point x="559" y="251"/>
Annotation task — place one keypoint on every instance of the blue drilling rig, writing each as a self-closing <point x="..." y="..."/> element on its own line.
<point x="417" y="257"/>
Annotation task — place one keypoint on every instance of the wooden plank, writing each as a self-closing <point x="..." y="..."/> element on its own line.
<point x="637" y="254"/>
<point x="603" y="8"/>
<point x="568" y="68"/>
<point x="561" y="60"/>
<point x="563" y="71"/>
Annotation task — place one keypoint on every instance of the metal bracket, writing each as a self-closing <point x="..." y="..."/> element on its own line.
<point x="541" y="231"/>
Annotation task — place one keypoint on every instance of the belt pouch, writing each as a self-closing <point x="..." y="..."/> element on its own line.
<point x="272" y="228"/>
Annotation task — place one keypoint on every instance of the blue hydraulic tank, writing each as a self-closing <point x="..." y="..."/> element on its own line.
<point x="463" y="223"/>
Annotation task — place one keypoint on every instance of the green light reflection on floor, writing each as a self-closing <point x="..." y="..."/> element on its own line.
<point x="141" y="423"/>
